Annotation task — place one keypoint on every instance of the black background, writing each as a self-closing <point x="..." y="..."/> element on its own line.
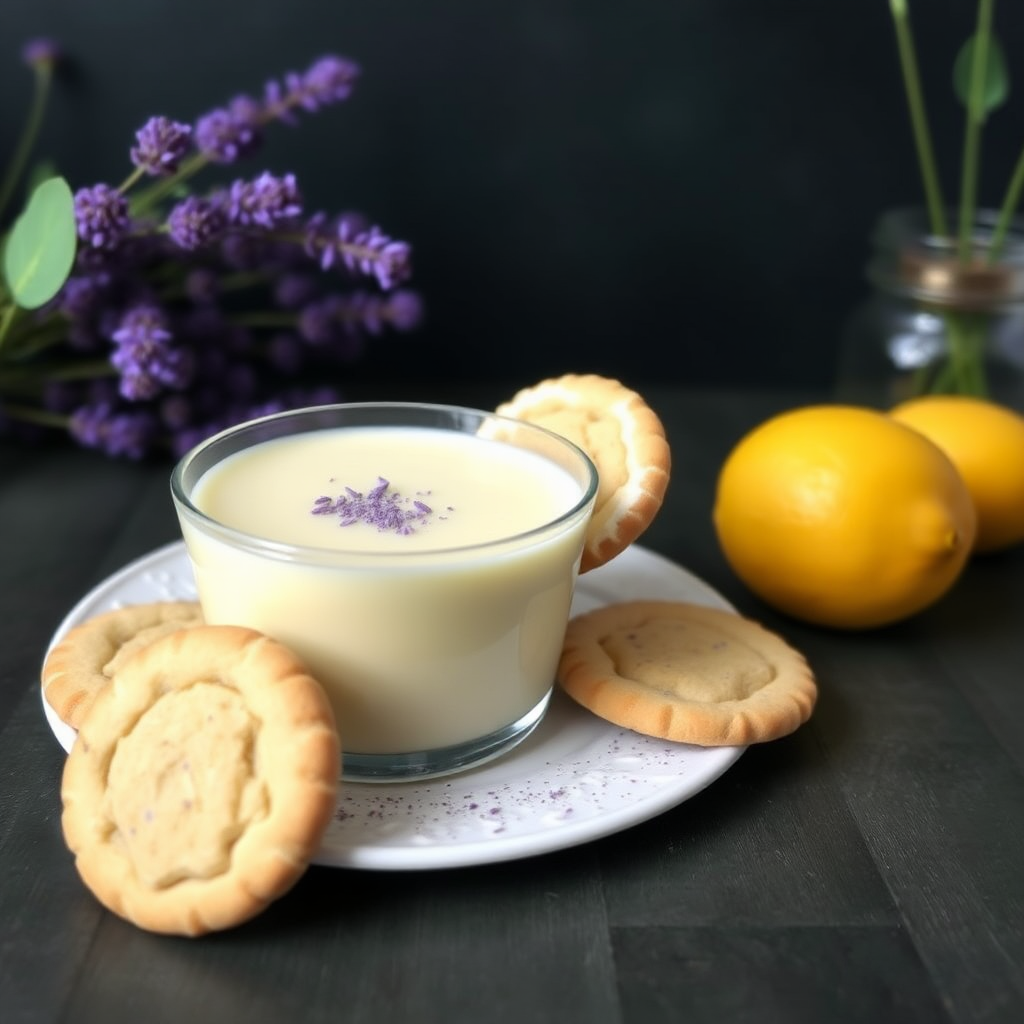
<point x="670" y="192"/>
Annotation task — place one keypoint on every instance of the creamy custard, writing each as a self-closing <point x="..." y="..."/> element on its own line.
<point x="431" y="583"/>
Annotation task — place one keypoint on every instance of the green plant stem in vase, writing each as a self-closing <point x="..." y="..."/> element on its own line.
<point x="963" y="372"/>
<point x="934" y="324"/>
<point x="958" y="273"/>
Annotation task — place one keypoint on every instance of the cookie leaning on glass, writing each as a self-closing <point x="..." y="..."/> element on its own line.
<point x="626" y="441"/>
<point x="202" y="780"/>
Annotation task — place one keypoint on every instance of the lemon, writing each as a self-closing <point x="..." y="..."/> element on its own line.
<point x="985" y="441"/>
<point x="842" y="516"/>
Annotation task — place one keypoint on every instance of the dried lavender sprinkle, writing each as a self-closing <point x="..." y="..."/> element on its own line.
<point x="380" y="507"/>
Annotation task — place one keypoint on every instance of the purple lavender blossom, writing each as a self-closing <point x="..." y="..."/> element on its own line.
<point x="81" y="295"/>
<point x="368" y="310"/>
<point x="336" y="320"/>
<point x="41" y="52"/>
<point x="101" y="215"/>
<point x="279" y="99"/>
<point x="143" y="326"/>
<point x="322" y="236"/>
<point x="362" y="251"/>
<point x="317" y="242"/>
<point x="87" y="423"/>
<point x="141" y="381"/>
<point x="328" y="80"/>
<point x="147" y="361"/>
<point x="320" y="323"/>
<point x="264" y="202"/>
<point x="246" y="111"/>
<point x="113" y="432"/>
<point x="404" y="310"/>
<point x="375" y="253"/>
<point x="226" y="135"/>
<point x="183" y="367"/>
<point x="138" y="386"/>
<point x="160" y="145"/>
<point x="195" y="223"/>
<point x="294" y="290"/>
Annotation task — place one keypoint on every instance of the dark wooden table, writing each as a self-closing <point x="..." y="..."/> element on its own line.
<point x="869" y="867"/>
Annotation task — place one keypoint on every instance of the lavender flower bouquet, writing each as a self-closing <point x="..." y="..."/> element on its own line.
<point x="142" y="317"/>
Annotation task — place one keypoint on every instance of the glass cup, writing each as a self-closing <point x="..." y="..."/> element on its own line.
<point x="434" y="658"/>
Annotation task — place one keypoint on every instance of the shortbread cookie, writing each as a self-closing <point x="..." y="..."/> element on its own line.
<point x="626" y="441"/>
<point x="686" y="672"/>
<point x="201" y="781"/>
<point x="81" y="664"/>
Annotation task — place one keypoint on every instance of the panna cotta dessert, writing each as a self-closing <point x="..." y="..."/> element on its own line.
<point x="420" y="559"/>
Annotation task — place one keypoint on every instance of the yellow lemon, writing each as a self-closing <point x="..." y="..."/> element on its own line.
<point x="842" y="516"/>
<point x="985" y="442"/>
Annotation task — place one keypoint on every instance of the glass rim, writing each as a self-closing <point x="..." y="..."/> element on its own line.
<point x="355" y="558"/>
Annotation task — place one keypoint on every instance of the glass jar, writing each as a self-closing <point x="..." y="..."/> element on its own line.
<point x="934" y="323"/>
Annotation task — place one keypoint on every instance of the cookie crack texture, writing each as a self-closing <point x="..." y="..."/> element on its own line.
<point x="125" y="644"/>
<point x="183" y="785"/>
<point x="687" y="661"/>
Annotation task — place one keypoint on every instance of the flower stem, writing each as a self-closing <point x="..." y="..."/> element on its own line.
<point x="238" y="281"/>
<point x="135" y="176"/>
<point x="30" y="343"/>
<point x="963" y="372"/>
<point x="243" y="279"/>
<point x="44" y="76"/>
<point x="972" y="130"/>
<point x="149" y="197"/>
<point x="1007" y="210"/>
<point x="88" y="370"/>
<point x="33" y="375"/>
<point x="7" y="318"/>
<point x="919" y="118"/>
<point x="40" y="417"/>
<point x="265" y="318"/>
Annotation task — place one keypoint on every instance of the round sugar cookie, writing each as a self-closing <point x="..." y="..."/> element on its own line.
<point x="622" y="435"/>
<point x="201" y="780"/>
<point x="686" y="672"/>
<point x="82" y="662"/>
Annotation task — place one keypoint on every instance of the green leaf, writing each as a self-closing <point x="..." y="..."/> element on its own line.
<point x="38" y="173"/>
<point x="40" y="249"/>
<point x="996" y="82"/>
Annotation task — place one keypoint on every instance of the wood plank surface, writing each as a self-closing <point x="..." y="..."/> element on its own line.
<point x="869" y="867"/>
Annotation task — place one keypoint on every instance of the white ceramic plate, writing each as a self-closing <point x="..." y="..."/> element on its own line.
<point x="575" y="779"/>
